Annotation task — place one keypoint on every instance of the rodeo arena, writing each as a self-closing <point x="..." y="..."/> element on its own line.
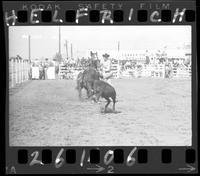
<point x="50" y="104"/>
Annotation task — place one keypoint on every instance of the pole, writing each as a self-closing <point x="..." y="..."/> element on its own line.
<point x="29" y="47"/>
<point x="118" y="46"/>
<point x="12" y="72"/>
<point x="66" y="48"/>
<point x="29" y="55"/>
<point x="71" y="51"/>
<point x="59" y="42"/>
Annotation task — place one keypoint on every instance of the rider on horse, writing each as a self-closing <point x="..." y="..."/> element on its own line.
<point x="86" y="78"/>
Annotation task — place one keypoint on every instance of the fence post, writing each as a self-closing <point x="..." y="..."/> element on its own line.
<point x="11" y="71"/>
<point x="16" y="70"/>
<point x="163" y="70"/>
<point x="21" y="70"/>
<point x="25" y="70"/>
<point x="29" y="70"/>
<point x="19" y="64"/>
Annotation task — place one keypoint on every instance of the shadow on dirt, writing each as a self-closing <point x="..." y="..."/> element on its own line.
<point x="108" y="110"/>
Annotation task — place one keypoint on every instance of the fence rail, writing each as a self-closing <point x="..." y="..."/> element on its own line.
<point x="19" y="71"/>
<point x="68" y="72"/>
<point x="181" y="72"/>
<point x="115" y="69"/>
<point x="158" y="71"/>
<point x="151" y="70"/>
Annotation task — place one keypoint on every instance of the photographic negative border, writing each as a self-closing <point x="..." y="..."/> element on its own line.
<point x="131" y="159"/>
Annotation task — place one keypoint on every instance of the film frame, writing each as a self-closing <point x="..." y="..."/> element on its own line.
<point x="104" y="159"/>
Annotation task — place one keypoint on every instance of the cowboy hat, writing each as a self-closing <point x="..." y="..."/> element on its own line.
<point x="105" y="55"/>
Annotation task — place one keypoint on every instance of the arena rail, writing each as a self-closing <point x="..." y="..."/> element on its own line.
<point x="150" y="70"/>
<point x="66" y="72"/>
<point x="181" y="72"/>
<point x="19" y="71"/>
<point x="157" y="71"/>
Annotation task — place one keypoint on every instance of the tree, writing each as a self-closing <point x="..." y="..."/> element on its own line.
<point x="147" y="60"/>
<point x="58" y="57"/>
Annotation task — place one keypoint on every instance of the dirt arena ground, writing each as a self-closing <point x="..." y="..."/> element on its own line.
<point x="153" y="112"/>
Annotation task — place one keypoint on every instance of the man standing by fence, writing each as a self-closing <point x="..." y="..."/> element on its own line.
<point x="106" y="68"/>
<point x="46" y="65"/>
<point x="168" y="70"/>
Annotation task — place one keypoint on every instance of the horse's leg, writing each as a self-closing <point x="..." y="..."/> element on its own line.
<point x="79" y="91"/>
<point x="98" y="95"/>
<point x="108" y="102"/>
<point x="88" y="94"/>
<point x="89" y="89"/>
<point x="113" y="103"/>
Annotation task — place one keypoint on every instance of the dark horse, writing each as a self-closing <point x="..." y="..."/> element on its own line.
<point x="104" y="90"/>
<point x="86" y="80"/>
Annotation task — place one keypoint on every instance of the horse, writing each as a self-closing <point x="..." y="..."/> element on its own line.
<point x="104" y="90"/>
<point x="86" y="80"/>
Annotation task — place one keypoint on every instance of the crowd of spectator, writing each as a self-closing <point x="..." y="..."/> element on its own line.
<point x="123" y="65"/>
<point x="43" y="66"/>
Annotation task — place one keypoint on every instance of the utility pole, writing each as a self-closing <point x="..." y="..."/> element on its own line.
<point x="29" y="47"/>
<point x="59" y="51"/>
<point x="66" y="48"/>
<point x="71" y="51"/>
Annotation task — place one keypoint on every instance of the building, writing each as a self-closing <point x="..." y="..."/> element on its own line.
<point x="140" y="56"/>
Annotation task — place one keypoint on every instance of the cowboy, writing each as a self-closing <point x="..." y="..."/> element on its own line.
<point x="106" y="68"/>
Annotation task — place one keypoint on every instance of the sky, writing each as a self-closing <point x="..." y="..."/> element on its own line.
<point x="44" y="39"/>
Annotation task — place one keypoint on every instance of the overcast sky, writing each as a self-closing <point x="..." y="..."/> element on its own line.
<point x="44" y="39"/>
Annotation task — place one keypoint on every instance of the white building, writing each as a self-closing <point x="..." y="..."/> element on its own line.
<point x="141" y="55"/>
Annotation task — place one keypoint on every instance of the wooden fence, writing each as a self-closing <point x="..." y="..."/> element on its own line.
<point x="115" y="69"/>
<point x="158" y="71"/>
<point x="154" y="71"/>
<point x="19" y="71"/>
<point x="151" y="70"/>
<point x="68" y="72"/>
<point x="181" y="72"/>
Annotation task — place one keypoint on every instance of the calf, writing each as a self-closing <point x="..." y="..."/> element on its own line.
<point x="105" y="90"/>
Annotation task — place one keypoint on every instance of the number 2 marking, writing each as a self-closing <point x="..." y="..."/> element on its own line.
<point x="35" y="161"/>
<point x="110" y="169"/>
